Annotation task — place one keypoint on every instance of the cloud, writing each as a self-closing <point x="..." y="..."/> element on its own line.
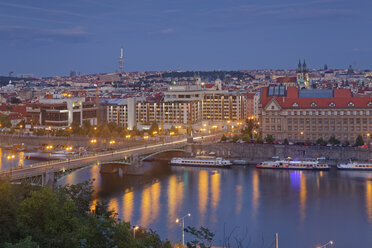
<point x="49" y="11"/>
<point x="164" y="31"/>
<point x="26" y="34"/>
<point x="293" y="10"/>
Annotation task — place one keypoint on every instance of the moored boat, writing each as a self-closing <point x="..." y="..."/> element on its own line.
<point x="201" y="162"/>
<point x="355" y="166"/>
<point x="290" y="164"/>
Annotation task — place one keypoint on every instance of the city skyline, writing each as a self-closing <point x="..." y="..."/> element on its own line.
<point x="48" y="39"/>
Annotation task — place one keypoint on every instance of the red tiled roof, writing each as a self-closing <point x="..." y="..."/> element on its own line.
<point x="286" y="80"/>
<point x="341" y="99"/>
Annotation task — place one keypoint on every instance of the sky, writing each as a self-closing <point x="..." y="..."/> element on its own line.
<point x="53" y="37"/>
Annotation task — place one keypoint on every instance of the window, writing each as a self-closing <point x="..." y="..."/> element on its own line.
<point x="351" y="104"/>
<point x="332" y="104"/>
<point x="313" y="104"/>
<point x="295" y="105"/>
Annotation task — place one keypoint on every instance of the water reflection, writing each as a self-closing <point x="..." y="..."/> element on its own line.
<point x="255" y="193"/>
<point x="203" y="193"/>
<point x="216" y="191"/>
<point x="128" y="205"/>
<point x="369" y="200"/>
<point x="150" y="203"/>
<point x="303" y="193"/>
<point x="298" y="204"/>
<point x="175" y="197"/>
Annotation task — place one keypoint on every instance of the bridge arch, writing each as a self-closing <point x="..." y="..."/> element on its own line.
<point x="168" y="150"/>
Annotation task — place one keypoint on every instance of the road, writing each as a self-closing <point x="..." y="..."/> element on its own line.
<point x="79" y="162"/>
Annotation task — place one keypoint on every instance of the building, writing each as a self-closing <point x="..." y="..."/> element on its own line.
<point x="306" y="115"/>
<point x="180" y="105"/>
<point x="60" y="112"/>
<point x="302" y="76"/>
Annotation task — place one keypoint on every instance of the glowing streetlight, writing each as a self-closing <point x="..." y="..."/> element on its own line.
<point x="93" y="141"/>
<point x="127" y="136"/>
<point x="112" y="142"/>
<point x="134" y="231"/>
<point x="155" y="132"/>
<point x="183" y="227"/>
<point x="325" y="245"/>
<point x="171" y="133"/>
<point x="302" y="133"/>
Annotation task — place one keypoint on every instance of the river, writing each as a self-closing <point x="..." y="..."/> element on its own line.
<point x="306" y="208"/>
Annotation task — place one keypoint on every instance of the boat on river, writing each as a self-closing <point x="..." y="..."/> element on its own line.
<point x="291" y="164"/>
<point x="355" y="166"/>
<point x="201" y="161"/>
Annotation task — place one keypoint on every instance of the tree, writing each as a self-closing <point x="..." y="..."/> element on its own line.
<point x="15" y="100"/>
<point x="154" y="127"/>
<point x="269" y="138"/>
<point x="321" y="142"/>
<point x="223" y="138"/>
<point x="286" y="142"/>
<point x="332" y="140"/>
<point x="359" y="141"/>
<point x="5" y="121"/>
<point x="203" y="237"/>
<point x="25" y="243"/>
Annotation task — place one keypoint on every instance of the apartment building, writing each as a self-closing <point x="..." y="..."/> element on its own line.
<point x="61" y="112"/>
<point x="181" y="105"/>
<point x="301" y="115"/>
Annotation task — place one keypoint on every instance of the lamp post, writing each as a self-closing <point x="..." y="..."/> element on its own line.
<point x="183" y="227"/>
<point x="11" y="157"/>
<point x="134" y="231"/>
<point x="325" y="245"/>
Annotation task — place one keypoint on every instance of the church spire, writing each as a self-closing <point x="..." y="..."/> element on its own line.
<point x="299" y="68"/>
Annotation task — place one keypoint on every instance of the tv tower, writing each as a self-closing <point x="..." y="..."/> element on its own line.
<point x="121" y="61"/>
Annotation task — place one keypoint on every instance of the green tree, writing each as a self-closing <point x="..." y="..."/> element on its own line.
<point x="359" y="141"/>
<point x="269" y="138"/>
<point x="154" y="127"/>
<point x="24" y="243"/>
<point x="203" y="237"/>
<point x="332" y="140"/>
<point x="8" y="213"/>
<point x="286" y="142"/>
<point x="321" y="142"/>
<point x="5" y="121"/>
<point x="223" y="138"/>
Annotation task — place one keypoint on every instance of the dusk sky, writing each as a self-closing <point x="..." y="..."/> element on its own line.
<point x="50" y="37"/>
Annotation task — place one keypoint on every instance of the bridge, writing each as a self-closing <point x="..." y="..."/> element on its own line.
<point x="47" y="173"/>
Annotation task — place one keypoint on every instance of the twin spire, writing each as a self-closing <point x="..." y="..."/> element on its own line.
<point x="302" y="67"/>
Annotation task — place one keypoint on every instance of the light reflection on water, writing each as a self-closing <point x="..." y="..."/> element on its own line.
<point x="305" y="207"/>
<point x="17" y="161"/>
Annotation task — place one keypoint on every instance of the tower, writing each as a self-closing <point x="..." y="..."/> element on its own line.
<point x="121" y="61"/>
<point x="302" y="75"/>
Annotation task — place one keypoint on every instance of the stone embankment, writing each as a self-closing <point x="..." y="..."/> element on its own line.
<point x="254" y="153"/>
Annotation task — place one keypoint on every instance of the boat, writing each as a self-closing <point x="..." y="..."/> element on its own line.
<point x="240" y="162"/>
<point x="355" y="166"/>
<point x="44" y="156"/>
<point x="291" y="164"/>
<point x="202" y="161"/>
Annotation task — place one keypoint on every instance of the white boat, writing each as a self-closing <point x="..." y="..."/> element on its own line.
<point x="201" y="162"/>
<point x="355" y="166"/>
<point x="290" y="164"/>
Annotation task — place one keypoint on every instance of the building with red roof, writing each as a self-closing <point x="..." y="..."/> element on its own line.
<point x="306" y="115"/>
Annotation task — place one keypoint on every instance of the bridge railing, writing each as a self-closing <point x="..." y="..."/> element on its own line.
<point x="77" y="158"/>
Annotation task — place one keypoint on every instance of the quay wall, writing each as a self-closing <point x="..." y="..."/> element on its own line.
<point x="257" y="152"/>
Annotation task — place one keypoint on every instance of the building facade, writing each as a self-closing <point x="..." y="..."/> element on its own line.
<point x="306" y="115"/>
<point x="61" y="112"/>
<point x="181" y="105"/>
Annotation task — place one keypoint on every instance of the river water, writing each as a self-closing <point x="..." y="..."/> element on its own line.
<point x="306" y="208"/>
<point x="18" y="160"/>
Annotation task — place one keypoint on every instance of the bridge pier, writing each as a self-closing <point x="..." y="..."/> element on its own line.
<point x="109" y="168"/>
